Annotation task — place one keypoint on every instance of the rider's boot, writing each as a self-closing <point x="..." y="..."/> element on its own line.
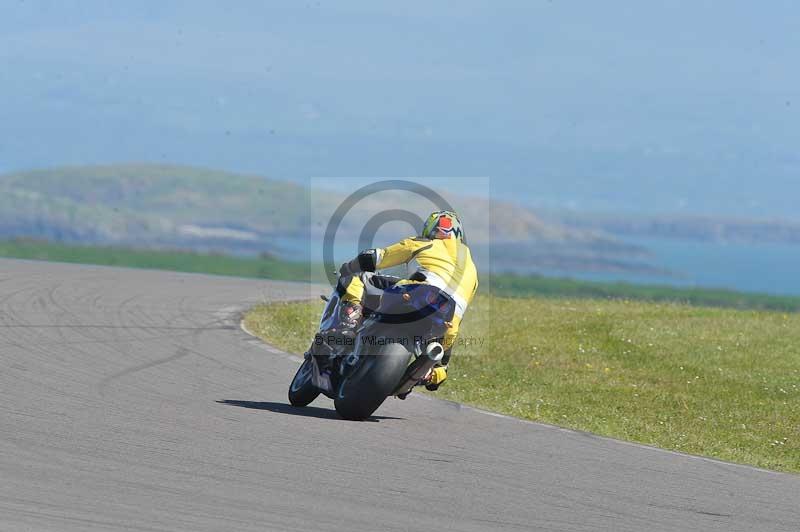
<point x="435" y="378"/>
<point x="350" y="316"/>
<point x="432" y="381"/>
<point x="438" y="375"/>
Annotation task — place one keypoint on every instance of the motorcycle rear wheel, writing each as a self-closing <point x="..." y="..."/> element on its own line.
<point x="379" y="372"/>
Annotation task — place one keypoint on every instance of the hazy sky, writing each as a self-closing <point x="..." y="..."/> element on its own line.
<point x="636" y="106"/>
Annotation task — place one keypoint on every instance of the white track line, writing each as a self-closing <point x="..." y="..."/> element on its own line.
<point x="267" y="347"/>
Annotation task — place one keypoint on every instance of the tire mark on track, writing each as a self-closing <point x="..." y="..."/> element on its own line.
<point x="181" y="353"/>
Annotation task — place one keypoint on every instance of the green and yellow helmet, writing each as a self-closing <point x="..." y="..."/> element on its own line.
<point x="443" y="225"/>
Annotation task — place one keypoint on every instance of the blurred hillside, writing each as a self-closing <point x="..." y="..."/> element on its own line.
<point x="150" y="205"/>
<point x="164" y="206"/>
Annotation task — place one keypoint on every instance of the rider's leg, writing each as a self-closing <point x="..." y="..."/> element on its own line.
<point x="451" y="335"/>
<point x="350" y="288"/>
<point x="351" y="292"/>
<point x="439" y="374"/>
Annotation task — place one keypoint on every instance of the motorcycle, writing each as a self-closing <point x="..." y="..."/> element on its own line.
<point x="396" y="346"/>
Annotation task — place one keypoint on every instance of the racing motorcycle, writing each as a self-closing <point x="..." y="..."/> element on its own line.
<point x="396" y="346"/>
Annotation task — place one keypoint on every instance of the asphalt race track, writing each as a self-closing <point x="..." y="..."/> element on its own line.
<point x="131" y="400"/>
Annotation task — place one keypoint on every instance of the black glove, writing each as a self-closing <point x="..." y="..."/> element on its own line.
<point x="367" y="261"/>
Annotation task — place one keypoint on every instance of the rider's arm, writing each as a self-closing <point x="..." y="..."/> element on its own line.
<point x="394" y="255"/>
<point x="367" y="261"/>
<point x="402" y="252"/>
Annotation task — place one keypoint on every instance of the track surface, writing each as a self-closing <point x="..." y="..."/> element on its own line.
<point x="130" y="400"/>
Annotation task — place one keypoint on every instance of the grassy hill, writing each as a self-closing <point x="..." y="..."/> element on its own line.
<point x="152" y="204"/>
<point x="207" y="210"/>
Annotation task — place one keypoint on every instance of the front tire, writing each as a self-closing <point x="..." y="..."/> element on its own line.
<point x="302" y="391"/>
<point x="380" y="371"/>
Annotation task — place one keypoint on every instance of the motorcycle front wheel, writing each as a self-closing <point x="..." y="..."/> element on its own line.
<point x="302" y="391"/>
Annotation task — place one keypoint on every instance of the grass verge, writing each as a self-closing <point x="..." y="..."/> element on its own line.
<point x="180" y="261"/>
<point x="715" y="382"/>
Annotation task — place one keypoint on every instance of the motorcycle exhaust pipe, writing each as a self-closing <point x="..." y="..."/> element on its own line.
<point x="434" y="353"/>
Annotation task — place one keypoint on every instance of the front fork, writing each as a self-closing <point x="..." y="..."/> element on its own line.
<point x="325" y="372"/>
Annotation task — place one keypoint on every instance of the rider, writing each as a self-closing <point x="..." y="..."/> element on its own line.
<point x="439" y="256"/>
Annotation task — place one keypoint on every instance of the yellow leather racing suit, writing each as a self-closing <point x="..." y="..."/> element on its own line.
<point x="446" y="264"/>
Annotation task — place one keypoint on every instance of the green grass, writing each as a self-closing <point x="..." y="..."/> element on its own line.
<point x="181" y="261"/>
<point x="716" y="382"/>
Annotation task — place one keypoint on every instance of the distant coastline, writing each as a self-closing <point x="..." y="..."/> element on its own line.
<point x="686" y="227"/>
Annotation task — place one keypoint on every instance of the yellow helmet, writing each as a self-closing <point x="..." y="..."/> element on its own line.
<point x="443" y="225"/>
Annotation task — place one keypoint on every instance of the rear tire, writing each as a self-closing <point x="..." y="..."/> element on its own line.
<point x="380" y="371"/>
<point x="302" y="391"/>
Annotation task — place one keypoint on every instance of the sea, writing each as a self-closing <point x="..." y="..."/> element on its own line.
<point x="747" y="267"/>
